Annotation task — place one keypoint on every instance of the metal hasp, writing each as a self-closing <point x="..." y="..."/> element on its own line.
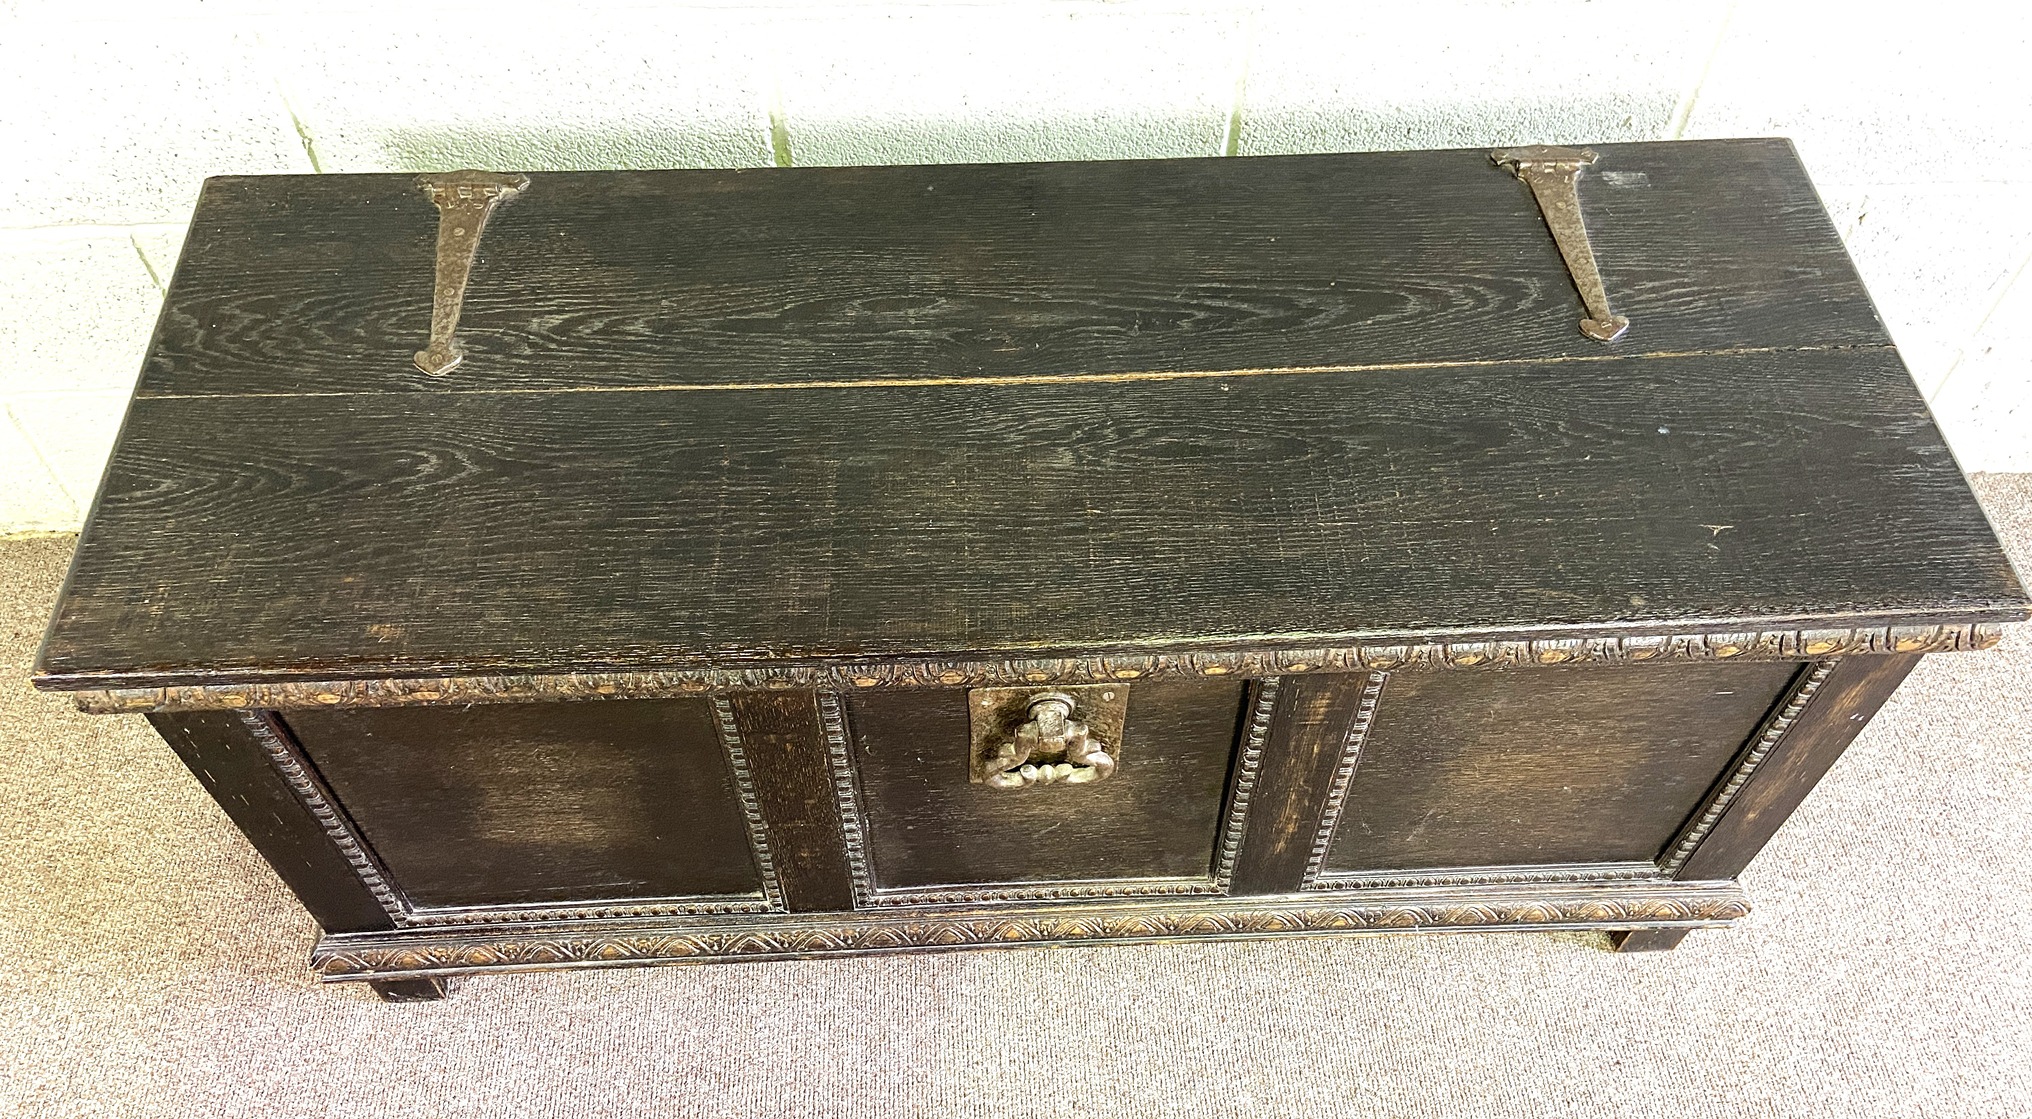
<point x="1553" y="174"/>
<point x="1060" y="736"/>
<point x="464" y="201"/>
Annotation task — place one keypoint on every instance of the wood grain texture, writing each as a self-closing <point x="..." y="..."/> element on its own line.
<point x="1309" y="731"/>
<point x="1555" y="766"/>
<point x="367" y="536"/>
<point x="422" y="988"/>
<point x="819" y="449"/>
<point x="1646" y="940"/>
<point x="786" y="751"/>
<point x="323" y="283"/>
<point x="537" y="804"/>
<point x="1158" y="816"/>
<point x="222" y="753"/>
<point x="1845" y="703"/>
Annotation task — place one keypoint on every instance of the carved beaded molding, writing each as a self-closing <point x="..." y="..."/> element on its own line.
<point x="366" y="956"/>
<point x="1803" y="690"/>
<point x="1790" y="644"/>
<point x="1799" y="694"/>
<point x="1075" y="890"/>
<point x="1344" y="775"/>
<point x="1491" y="876"/>
<point x="847" y="796"/>
<point x="1247" y="769"/>
<point x="751" y="804"/>
<point x="287" y="758"/>
<point x="298" y="772"/>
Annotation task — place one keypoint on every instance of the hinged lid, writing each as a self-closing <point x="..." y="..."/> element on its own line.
<point x="649" y="421"/>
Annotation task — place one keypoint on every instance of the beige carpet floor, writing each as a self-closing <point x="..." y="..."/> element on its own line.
<point x="150" y="964"/>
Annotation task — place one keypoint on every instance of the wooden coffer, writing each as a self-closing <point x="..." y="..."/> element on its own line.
<point x="563" y="570"/>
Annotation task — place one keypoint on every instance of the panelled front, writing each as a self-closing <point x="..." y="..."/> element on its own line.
<point x="516" y="805"/>
<point x="1420" y="773"/>
<point x="1540" y="767"/>
<point x="1152" y="826"/>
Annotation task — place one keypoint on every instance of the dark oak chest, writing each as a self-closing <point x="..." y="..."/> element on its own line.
<point x="610" y="568"/>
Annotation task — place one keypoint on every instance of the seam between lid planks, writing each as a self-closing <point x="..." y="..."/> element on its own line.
<point x="951" y="381"/>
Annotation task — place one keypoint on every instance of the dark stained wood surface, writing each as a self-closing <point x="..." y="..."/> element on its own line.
<point x="1308" y="735"/>
<point x="390" y="534"/>
<point x="534" y="804"/>
<point x="1545" y="765"/>
<point x="421" y="988"/>
<point x="222" y="753"/>
<point x="1647" y="940"/>
<point x="1156" y="817"/>
<point x="785" y="745"/>
<point x="323" y="283"/>
<point x="1847" y="700"/>
<point x="741" y="417"/>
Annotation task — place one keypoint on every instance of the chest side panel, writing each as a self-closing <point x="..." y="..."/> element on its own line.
<point x="1544" y="766"/>
<point x="518" y="805"/>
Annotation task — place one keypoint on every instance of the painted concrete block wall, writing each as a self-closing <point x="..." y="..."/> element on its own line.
<point x="1912" y="119"/>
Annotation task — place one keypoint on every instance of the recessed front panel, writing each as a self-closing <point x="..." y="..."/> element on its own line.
<point x="533" y="804"/>
<point x="1150" y="821"/>
<point x="1544" y="766"/>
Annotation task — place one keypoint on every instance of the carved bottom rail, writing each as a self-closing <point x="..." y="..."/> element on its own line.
<point x="1606" y="906"/>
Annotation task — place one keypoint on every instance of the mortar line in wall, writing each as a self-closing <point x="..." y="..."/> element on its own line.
<point x="1682" y="114"/>
<point x="42" y="459"/>
<point x="303" y="135"/>
<point x="160" y="287"/>
<point x="1961" y="354"/>
<point x="64" y="393"/>
<point x="302" y="129"/>
<point x="779" y="120"/>
<point x="1855" y="225"/>
<point x="296" y="123"/>
<point x="1231" y="145"/>
<point x="123" y="229"/>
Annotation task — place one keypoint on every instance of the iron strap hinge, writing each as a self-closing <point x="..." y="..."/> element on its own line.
<point x="1553" y="174"/>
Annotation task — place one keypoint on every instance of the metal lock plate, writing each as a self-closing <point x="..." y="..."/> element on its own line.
<point x="1020" y="735"/>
